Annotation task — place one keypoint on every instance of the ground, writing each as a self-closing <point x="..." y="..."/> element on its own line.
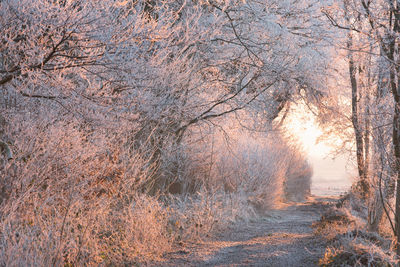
<point x="281" y="237"/>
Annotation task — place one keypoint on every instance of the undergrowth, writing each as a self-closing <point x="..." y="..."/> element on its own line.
<point x="76" y="197"/>
<point x="349" y="243"/>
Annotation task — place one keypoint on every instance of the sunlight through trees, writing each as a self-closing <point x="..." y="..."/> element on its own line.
<point x="128" y="128"/>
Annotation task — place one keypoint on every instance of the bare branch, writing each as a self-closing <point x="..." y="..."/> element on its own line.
<point x="6" y="150"/>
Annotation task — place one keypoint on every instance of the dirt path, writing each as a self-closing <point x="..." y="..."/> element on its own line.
<point x="282" y="238"/>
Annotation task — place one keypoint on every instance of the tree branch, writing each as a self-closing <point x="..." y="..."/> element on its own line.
<point x="40" y="96"/>
<point x="6" y="150"/>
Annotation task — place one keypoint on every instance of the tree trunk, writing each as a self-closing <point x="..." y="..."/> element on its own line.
<point x="394" y="84"/>
<point x="396" y="145"/>
<point x="367" y="121"/>
<point x="363" y="183"/>
<point x="356" y="124"/>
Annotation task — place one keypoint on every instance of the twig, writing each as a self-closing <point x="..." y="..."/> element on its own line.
<point x="6" y="150"/>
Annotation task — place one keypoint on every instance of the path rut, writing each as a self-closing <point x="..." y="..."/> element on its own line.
<point x="282" y="237"/>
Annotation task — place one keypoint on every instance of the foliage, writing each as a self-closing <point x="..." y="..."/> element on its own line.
<point x="108" y="106"/>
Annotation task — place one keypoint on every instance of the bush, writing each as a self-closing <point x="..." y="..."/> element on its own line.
<point x="263" y="166"/>
<point x="349" y="244"/>
<point x="76" y="194"/>
<point x="298" y="176"/>
<point x="357" y="250"/>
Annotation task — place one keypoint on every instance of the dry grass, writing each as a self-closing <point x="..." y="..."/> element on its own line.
<point x="352" y="250"/>
<point x="349" y="244"/>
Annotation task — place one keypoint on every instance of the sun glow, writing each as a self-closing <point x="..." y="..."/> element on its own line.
<point x="330" y="175"/>
<point x="308" y="132"/>
<point x="302" y="124"/>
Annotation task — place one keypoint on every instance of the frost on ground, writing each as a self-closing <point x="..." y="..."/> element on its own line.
<point x="281" y="237"/>
<point x="350" y="242"/>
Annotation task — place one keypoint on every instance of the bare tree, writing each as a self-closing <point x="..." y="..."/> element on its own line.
<point x="377" y="32"/>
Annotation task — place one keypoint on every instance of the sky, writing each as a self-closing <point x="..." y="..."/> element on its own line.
<point x="331" y="176"/>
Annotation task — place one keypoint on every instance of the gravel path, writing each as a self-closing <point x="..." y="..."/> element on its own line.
<point x="281" y="238"/>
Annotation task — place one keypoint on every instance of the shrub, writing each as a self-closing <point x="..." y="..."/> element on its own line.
<point x="349" y="243"/>
<point x="263" y="166"/>
<point x="76" y="194"/>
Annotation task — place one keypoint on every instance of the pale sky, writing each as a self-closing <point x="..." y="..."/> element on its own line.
<point x="333" y="174"/>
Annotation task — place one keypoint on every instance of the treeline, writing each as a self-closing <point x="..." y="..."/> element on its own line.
<point x="371" y="43"/>
<point x="128" y="126"/>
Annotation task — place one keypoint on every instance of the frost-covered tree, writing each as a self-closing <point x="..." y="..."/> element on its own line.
<point x="104" y="103"/>
<point x="166" y="66"/>
<point x="373" y="27"/>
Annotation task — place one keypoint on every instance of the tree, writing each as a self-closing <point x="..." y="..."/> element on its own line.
<point x="110" y="97"/>
<point x="378" y="23"/>
<point x="166" y="67"/>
